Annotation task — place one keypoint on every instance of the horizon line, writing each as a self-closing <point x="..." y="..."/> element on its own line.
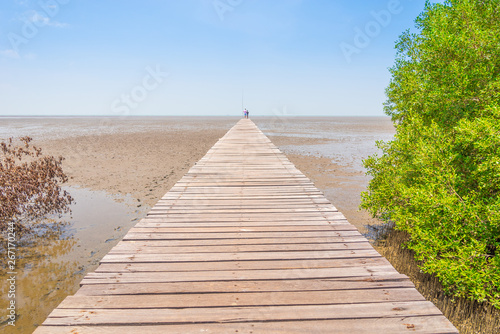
<point x="138" y="116"/>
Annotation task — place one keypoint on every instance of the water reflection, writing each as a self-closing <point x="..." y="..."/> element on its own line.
<point x="41" y="276"/>
<point x="53" y="260"/>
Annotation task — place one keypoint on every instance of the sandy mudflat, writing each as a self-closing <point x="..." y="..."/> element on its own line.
<point x="144" y="163"/>
<point x="330" y="152"/>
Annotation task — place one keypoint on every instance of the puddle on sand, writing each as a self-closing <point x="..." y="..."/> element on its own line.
<point x="54" y="265"/>
<point x="99" y="221"/>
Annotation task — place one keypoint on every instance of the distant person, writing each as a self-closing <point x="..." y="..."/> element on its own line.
<point x="245" y="113"/>
<point x="248" y="114"/>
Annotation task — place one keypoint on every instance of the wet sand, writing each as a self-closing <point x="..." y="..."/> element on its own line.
<point x="124" y="166"/>
<point x="329" y="151"/>
<point x="144" y="158"/>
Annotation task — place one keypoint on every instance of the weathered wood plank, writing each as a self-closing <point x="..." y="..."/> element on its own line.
<point x="236" y="314"/>
<point x="394" y="325"/>
<point x="241" y="265"/>
<point x="234" y="275"/>
<point x="229" y="235"/>
<point x="274" y="219"/>
<point x="151" y="222"/>
<point x="240" y="256"/>
<point x="247" y="241"/>
<point x="283" y="285"/>
<point x="243" y="299"/>
<point x="236" y="229"/>
<point x="323" y="284"/>
<point x="147" y="248"/>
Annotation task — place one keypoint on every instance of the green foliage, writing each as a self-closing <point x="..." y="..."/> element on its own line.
<point x="439" y="179"/>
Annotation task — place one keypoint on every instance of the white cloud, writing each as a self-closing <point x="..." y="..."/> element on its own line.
<point x="12" y="54"/>
<point x="30" y="56"/>
<point x="57" y="24"/>
<point x="42" y="20"/>
<point x="4" y="86"/>
<point x="9" y="53"/>
<point x="22" y="3"/>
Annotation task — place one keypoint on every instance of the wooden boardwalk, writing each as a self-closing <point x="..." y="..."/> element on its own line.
<point x="244" y="243"/>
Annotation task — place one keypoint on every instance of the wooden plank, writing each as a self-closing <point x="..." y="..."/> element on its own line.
<point x="276" y="219"/>
<point x="238" y="229"/>
<point x="239" y="235"/>
<point x="323" y="284"/>
<point x="159" y="316"/>
<point x="240" y="211"/>
<point x="244" y="197"/>
<point x="249" y="203"/>
<point x="394" y="325"/>
<point x="235" y="275"/>
<point x="239" y="224"/>
<point x="202" y="209"/>
<point x="146" y="248"/>
<point x="245" y="241"/>
<point x="242" y="299"/>
<point x="240" y="256"/>
<point x="240" y="265"/>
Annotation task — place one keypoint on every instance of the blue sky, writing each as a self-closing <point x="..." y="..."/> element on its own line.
<point x="198" y="57"/>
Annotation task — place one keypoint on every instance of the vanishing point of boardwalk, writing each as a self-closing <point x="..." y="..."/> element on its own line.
<point x="244" y="243"/>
